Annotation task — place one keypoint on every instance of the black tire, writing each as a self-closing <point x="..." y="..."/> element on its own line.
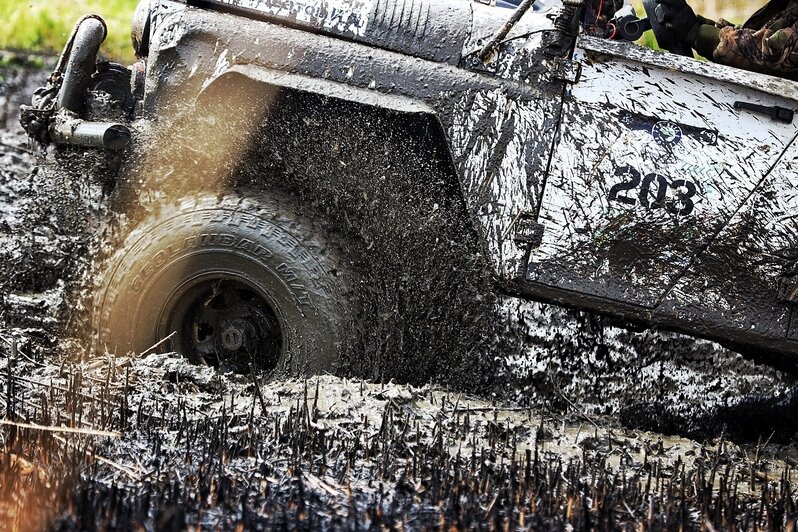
<point x="238" y="280"/>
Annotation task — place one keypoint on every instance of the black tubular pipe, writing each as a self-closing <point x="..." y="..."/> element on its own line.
<point x="89" y="35"/>
<point x="505" y="30"/>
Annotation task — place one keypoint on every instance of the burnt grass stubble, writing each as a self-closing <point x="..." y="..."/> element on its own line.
<point x="169" y="460"/>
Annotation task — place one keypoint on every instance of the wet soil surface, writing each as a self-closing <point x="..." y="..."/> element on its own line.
<point x="588" y="424"/>
<point x="155" y="442"/>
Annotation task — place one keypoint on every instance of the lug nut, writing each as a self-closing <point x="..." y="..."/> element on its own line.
<point x="232" y="339"/>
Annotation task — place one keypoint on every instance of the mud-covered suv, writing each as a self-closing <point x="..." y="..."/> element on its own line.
<point x="276" y="143"/>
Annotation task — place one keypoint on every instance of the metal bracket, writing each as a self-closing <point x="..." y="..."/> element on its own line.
<point x="776" y="112"/>
<point x="566" y="70"/>
<point x="527" y="231"/>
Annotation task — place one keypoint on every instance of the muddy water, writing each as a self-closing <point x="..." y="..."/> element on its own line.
<point x="651" y="379"/>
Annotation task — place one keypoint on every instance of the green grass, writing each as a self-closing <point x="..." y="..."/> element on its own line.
<point x="45" y="25"/>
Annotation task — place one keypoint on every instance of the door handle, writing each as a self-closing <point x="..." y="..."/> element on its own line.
<point x="776" y="112"/>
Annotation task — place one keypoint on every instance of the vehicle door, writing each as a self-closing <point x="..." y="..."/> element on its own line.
<point x="502" y="125"/>
<point x="656" y="154"/>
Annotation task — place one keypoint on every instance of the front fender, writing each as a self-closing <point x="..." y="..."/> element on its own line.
<point x="277" y="79"/>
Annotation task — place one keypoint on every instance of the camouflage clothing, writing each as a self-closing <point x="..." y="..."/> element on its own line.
<point x="767" y="42"/>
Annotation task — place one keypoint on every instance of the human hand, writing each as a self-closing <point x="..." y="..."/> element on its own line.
<point x="676" y="15"/>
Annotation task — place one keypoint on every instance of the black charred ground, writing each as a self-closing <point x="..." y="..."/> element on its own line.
<point x="157" y="443"/>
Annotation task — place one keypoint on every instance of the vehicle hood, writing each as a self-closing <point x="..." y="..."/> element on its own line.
<point x="437" y="30"/>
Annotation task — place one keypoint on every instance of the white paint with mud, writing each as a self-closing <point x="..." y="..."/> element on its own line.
<point x="497" y="178"/>
<point x="653" y="161"/>
<point x="345" y="16"/>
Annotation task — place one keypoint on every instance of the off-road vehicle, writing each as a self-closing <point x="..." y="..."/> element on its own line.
<point x="271" y="139"/>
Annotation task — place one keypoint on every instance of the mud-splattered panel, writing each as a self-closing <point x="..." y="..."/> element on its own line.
<point x="746" y="276"/>
<point x="502" y="137"/>
<point x="651" y="164"/>
<point x="345" y="16"/>
<point x="501" y="146"/>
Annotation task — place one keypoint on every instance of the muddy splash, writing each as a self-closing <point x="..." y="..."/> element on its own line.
<point x="534" y="353"/>
<point x="548" y="448"/>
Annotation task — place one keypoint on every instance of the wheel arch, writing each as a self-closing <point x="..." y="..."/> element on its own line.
<point x="377" y="173"/>
<point x="273" y="86"/>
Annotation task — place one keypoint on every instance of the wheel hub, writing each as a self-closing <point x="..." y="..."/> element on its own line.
<point x="232" y="338"/>
<point x="227" y="323"/>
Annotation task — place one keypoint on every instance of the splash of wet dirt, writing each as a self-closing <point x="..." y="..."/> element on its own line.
<point x="573" y="390"/>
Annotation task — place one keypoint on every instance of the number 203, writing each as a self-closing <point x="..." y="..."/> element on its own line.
<point x="682" y="205"/>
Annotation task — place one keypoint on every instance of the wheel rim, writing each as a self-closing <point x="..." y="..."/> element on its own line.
<point x="224" y="321"/>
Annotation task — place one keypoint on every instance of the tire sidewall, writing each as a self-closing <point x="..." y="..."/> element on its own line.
<point x="199" y="239"/>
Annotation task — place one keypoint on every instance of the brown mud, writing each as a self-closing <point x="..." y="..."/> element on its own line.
<point x="558" y="439"/>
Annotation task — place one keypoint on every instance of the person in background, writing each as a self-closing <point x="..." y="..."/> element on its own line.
<point x="767" y="42"/>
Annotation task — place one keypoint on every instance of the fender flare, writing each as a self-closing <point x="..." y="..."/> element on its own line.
<point x="281" y="80"/>
<point x="322" y="87"/>
<point x="401" y="105"/>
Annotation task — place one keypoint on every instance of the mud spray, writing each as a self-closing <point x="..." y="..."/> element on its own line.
<point x="103" y="442"/>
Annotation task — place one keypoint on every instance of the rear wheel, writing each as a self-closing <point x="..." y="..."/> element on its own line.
<point x="231" y="283"/>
